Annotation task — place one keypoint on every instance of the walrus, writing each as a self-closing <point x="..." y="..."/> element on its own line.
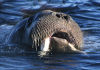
<point x="49" y="31"/>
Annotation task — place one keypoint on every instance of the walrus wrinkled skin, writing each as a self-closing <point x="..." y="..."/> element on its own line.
<point x="60" y="30"/>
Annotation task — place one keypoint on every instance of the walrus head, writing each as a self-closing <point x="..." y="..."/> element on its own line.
<point x="48" y="31"/>
<point x="55" y="32"/>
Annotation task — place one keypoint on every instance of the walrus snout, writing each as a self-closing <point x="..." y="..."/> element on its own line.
<point x="57" y="45"/>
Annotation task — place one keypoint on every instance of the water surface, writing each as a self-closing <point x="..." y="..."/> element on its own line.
<point x="85" y="12"/>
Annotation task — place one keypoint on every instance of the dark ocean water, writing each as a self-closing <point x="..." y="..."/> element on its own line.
<point x="85" y="12"/>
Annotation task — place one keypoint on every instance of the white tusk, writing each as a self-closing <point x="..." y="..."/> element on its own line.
<point x="45" y="45"/>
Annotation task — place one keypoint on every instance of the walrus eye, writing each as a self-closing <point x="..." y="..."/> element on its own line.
<point x="65" y="17"/>
<point x="58" y="15"/>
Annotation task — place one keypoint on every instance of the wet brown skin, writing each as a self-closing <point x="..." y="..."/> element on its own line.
<point x="56" y="25"/>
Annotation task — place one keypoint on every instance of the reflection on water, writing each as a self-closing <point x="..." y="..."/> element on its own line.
<point x="85" y="12"/>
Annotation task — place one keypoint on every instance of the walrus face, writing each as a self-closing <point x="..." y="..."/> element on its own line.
<point x="55" y="32"/>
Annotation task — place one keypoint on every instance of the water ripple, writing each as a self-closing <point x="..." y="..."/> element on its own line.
<point x="85" y="12"/>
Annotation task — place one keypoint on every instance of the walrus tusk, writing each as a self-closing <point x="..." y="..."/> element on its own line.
<point x="44" y="47"/>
